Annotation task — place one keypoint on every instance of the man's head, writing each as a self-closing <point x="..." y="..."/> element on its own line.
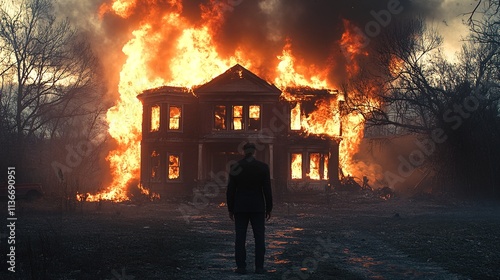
<point x="249" y="149"/>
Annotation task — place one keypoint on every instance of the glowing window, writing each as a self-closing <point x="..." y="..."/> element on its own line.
<point x="314" y="166"/>
<point x="254" y="117"/>
<point x="295" y="117"/>
<point x="175" y="118"/>
<point x="155" y="118"/>
<point x="325" y="167"/>
<point x="220" y="117"/>
<point x="155" y="166"/>
<point x="237" y="117"/>
<point x="296" y="166"/>
<point x="174" y="167"/>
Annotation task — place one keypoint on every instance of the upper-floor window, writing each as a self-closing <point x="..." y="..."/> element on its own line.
<point x="175" y="115"/>
<point x="237" y="117"/>
<point x="155" y="118"/>
<point x="220" y="117"/>
<point x="295" y="121"/>
<point x="254" y="117"/>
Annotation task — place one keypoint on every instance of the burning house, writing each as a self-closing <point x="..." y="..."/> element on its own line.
<point x="189" y="137"/>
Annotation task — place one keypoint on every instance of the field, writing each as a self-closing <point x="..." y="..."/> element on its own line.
<point x="342" y="236"/>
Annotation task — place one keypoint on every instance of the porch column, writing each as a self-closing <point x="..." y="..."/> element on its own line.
<point x="333" y="163"/>
<point x="200" y="159"/>
<point x="271" y="161"/>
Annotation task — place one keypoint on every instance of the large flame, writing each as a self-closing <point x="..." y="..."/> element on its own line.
<point x="288" y="73"/>
<point x="353" y="43"/>
<point x="194" y="59"/>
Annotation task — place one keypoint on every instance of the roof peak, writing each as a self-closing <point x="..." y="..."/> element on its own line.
<point x="237" y="74"/>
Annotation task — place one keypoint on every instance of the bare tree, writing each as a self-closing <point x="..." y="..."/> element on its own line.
<point x="51" y="92"/>
<point x="48" y="67"/>
<point x="451" y="103"/>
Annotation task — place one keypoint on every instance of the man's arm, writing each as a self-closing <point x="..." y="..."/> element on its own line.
<point x="231" y="189"/>
<point x="268" y="194"/>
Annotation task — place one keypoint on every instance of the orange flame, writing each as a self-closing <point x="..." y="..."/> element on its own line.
<point x="296" y="166"/>
<point x="353" y="46"/>
<point x="175" y="117"/>
<point x="287" y="74"/>
<point x="173" y="167"/>
<point x="195" y="60"/>
<point x="238" y="117"/>
<point x="314" y="163"/>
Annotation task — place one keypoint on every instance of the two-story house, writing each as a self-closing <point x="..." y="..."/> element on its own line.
<point x="190" y="137"/>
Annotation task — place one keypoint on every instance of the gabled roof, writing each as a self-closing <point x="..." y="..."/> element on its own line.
<point x="238" y="79"/>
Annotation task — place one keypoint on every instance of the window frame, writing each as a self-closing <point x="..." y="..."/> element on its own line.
<point x="150" y="128"/>
<point x="319" y="168"/>
<point x="225" y="117"/>
<point x="306" y="165"/>
<point x="249" y="119"/>
<point x="158" y="177"/>
<point x="243" y="113"/>
<point x="181" y="108"/>
<point x="301" y="165"/>
<point x="179" y="166"/>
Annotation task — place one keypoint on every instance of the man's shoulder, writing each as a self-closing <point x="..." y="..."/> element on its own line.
<point x="261" y="164"/>
<point x="251" y="161"/>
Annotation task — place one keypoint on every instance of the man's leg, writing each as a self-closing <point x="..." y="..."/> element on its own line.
<point x="241" y="225"/>
<point x="258" y="226"/>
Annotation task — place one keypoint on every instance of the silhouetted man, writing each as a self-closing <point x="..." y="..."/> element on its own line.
<point x="249" y="199"/>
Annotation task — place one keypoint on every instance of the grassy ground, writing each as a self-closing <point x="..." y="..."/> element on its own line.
<point x="345" y="236"/>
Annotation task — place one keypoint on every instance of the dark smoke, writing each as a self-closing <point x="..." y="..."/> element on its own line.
<point x="260" y="28"/>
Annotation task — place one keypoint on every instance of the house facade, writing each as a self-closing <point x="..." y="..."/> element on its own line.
<point x="191" y="137"/>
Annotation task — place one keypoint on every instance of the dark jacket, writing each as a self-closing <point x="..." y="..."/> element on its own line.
<point x="249" y="187"/>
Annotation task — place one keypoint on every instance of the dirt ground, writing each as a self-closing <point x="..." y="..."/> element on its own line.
<point x="341" y="236"/>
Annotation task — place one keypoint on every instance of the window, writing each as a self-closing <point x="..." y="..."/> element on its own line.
<point x="237" y="117"/>
<point x="314" y="166"/>
<point x="254" y="117"/>
<point x="295" y="117"/>
<point x="174" y="167"/>
<point x="296" y="166"/>
<point x="155" y="118"/>
<point x="155" y="166"/>
<point x="325" y="167"/>
<point x="175" y="118"/>
<point x="220" y="117"/>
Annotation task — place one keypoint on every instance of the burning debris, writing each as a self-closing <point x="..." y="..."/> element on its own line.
<point x="350" y="184"/>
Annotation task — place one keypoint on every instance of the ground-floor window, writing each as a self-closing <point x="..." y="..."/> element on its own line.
<point x="174" y="166"/>
<point x="315" y="167"/>
<point x="296" y="165"/>
<point x="155" y="166"/>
